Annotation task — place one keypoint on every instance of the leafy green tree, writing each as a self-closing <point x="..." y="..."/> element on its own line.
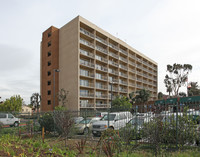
<point x="160" y="95"/>
<point x="35" y="100"/>
<point x="12" y="104"/>
<point x="177" y="76"/>
<point x="142" y="96"/>
<point x="193" y="89"/>
<point x="121" y="102"/>
<point x="132" y="98"/>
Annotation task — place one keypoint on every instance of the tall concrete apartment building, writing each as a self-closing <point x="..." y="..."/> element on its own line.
<point x="87" y="61"/>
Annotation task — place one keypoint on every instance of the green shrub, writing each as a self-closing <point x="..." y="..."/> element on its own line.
<point x="47" y="122"/>
<point x="130" y="133"/>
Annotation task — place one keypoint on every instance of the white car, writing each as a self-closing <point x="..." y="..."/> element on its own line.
<point x="9" y="119"/>
<point x="116" y="120"/>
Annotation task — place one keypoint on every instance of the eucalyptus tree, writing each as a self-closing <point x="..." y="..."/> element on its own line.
<point x="176" y="77"/>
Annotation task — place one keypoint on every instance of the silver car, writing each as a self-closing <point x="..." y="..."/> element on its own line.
<point x="84" y="126"/>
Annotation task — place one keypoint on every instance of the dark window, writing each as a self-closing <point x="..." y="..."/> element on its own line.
<point x="49" y="34"/>
<point x="49" y="63"/>
<point x="49" y="92"/>
<point x="49" y="53"/>
<point x="2" y="115"/>
<point x="49" y="83"/>
<point x="49" y="43"/>
<point x="49" y="102"/>
<point x="49" y="73"/>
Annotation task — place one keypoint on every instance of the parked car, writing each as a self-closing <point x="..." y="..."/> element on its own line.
<point x="139" y="121"/>
<point x="77" y="119"/>
<point x="9" y="119"/>
<point x="101" y="114"/>
<point x="117" y="120"/>
<point x="84" y="126"/>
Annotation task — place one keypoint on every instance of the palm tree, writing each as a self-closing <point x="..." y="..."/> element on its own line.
<point x="142" y="96"/>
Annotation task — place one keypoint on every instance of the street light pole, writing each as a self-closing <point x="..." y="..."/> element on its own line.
<point x="110" y="107"/>
<point x="111" y="83"/>
<point x="54" y="94"/>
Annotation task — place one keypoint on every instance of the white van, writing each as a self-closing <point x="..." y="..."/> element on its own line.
<point x="117" y="120"/>
<point x="9" y="119"/>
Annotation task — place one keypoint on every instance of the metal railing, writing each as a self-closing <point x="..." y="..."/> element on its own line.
<point x="82" y="30"/>
<point x="85" y="42"/>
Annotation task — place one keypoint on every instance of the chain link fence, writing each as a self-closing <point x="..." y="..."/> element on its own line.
<point x="169" y="127"/>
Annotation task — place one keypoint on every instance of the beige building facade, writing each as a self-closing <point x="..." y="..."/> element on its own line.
<point x="91" y="63"/>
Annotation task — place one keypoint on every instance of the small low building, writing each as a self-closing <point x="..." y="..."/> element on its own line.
<point x="26" y="109"/>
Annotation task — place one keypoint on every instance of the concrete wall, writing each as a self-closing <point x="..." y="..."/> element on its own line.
<point x="69" y="62"/>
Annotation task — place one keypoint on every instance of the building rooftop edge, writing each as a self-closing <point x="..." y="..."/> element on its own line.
<point x="92" y="25"/>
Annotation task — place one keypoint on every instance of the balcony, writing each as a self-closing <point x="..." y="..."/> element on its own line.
<point x="113" y="63"/>
<point x="86" y="63"/>
<point x="91" y="75"/>
<point x="113" y="72"/>
<point x="123" y="82"/>
<point x="123" y="59"/>
<point x="87" y="43"/>
<point x="102" y="105"/>
<point x="132" y="63"/>
<point x="131" y="77"/>
<point x="101" y="40"/>
<point x="139" y="66"/>
<point x="86" y="105"/>
<point x="113" y="97"/>
<point x="132" y="84"/>
<point x="102" y="68"/>
<point x="123" y="51"/>
<point x="145" y="63"/>
<point x="87" y="95"/>
<point x="113" y="46"/>
<point x="133" y="71"/>
<point x="102" y="59"/>
<point x="90" y="85"/>
<point x="145" y="75"/>
<point x="139" y="73"/>
<point x="139" y="60"/>
<point x="102" y="87"/>
<point x="113" y="55"/>
<point x="139" y="86"/>
<point x="114" y="89"/>
<point x="101" y="49"/>
<point x="123" y="90"/>
<point x="132" y="56"/>
<point x="86" y="53"/>
<point x="82" y="30"/>
<point x="144" y="81"/>
<point x="139" y="80"/>
<point x="123" y="74"/>
<point x="103" y="78"/>
<point x="103" y="96"/>
<point x="123" y="67"/>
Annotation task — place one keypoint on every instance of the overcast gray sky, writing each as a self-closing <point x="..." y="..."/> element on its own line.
<point x="167" y="31"/>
